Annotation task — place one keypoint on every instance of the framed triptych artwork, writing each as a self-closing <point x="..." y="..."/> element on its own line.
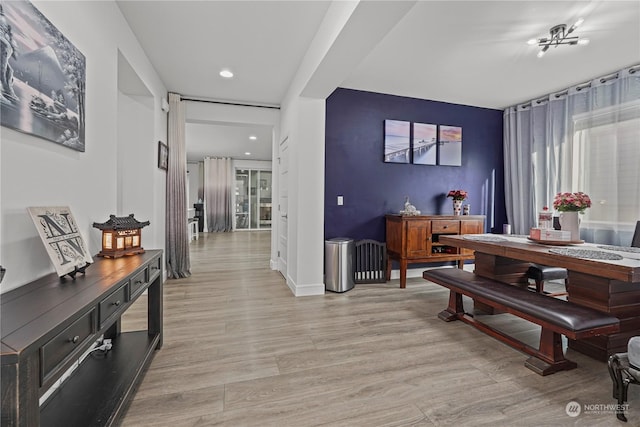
<point x="422" y="143"/>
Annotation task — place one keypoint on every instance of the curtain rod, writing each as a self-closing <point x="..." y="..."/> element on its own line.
<point x="579" y="87"/>
<point x="239" y="104"/>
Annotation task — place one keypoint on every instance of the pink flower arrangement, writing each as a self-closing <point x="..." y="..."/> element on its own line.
<point x="457" y="194"/>
<point x="571" y="202"/>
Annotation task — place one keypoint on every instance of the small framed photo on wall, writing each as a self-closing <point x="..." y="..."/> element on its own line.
<point x="163" y="155"/>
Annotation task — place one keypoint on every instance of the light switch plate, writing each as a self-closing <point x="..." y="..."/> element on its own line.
<point x="340" y="200"/>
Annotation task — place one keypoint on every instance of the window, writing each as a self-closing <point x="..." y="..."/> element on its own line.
<point x="605" y="163"/>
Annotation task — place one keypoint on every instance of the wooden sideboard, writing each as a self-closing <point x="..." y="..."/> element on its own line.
<point x="415" y="239"/>
<point x="48" y="324"/>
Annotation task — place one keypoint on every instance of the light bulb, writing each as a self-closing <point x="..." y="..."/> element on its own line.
<point x="532" y="42"/>
<point x="226" y="74"/>
<point x="583" y="42"/>
<point x="541" y="53"/>
<point x="578" y="23"/>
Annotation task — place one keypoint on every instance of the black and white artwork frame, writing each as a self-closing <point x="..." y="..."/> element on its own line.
<point x="42" y="77"/>
<point x="61" y="238"/>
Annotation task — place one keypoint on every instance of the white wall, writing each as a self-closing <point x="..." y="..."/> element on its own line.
<point x="194" y="190"/>
<point x="303" y="122"/>
<point x="35" y="172"/>
<point x="349" y="31"/>
<point x="263" y="165"/>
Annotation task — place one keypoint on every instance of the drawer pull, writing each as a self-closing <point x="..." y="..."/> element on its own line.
<point x="117" y="303"/>
<point x="139" y="282"/>
<point x="74" y="340"/>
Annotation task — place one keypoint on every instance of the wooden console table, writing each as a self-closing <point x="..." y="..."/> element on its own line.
<point x="416" y="239"/>
<point x="49" y="323"/>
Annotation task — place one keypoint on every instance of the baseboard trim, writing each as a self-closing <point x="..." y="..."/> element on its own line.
<point x="305" y="290"/>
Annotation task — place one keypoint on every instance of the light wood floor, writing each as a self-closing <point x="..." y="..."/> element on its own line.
<point x="241" y="350"/>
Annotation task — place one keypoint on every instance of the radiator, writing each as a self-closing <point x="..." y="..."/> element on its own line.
<point x="370" y="262"/>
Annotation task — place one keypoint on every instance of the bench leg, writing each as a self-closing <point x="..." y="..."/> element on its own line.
<point x="551" y="357"/>
<point x="455" y="309"/>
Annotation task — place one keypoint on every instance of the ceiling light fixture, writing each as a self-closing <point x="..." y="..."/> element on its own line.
<point x="247" y="153"/>
<point x="226" y="74"/>
<point x="559" y="35"/>
<point x="253" y="137"/>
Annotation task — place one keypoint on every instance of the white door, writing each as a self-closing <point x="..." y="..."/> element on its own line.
<point x="283" y="206"/>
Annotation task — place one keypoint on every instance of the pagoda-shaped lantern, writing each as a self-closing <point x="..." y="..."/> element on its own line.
<point x="121" y="236"/>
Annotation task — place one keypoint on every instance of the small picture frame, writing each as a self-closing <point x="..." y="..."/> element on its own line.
<point x="163" y="155"/>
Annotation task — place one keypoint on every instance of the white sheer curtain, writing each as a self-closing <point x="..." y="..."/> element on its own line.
<point x="581" y="139"/>
<point x="218" y="186"/>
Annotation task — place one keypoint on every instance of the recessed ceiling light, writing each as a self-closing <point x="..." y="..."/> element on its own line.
<point x="253" y="137"/>
<point x="247" y="153"/>
<point x="226" y="74"/>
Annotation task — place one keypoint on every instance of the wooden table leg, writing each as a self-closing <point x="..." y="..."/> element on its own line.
<point x="403" y="273"/>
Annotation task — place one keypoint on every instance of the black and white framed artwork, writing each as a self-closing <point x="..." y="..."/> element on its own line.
<point x="42" y="77"/>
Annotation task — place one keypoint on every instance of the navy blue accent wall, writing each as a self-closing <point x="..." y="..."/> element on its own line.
<point x="354" y="166"/>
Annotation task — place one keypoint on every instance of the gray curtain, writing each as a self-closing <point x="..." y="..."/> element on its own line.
<point x="580" y="139"/>
<point x="177" y="244"/>
<point x="218" y="186"/>
<point x="518" y="171"/>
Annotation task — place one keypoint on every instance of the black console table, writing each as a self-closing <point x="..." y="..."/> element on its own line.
<point x="48" y="324"/>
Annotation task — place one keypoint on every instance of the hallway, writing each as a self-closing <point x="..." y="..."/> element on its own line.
<point x="241" y="350"/>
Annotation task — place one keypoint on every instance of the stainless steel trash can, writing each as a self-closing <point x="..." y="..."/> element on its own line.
<point x="338" y="264"/>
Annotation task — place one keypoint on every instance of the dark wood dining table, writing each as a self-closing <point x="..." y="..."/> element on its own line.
<point x="608" y="285"/>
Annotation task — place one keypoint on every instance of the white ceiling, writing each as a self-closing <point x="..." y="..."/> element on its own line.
<point x="229" y="141"/>
<point x="464" y="52"/>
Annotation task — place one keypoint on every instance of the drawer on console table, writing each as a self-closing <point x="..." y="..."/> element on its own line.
<point x="139" y="282"/>
<point x="111" y="305"/>
<point x="445" y="226"/>
<point x="66" y="344"/>
<point x="155" y="267"/>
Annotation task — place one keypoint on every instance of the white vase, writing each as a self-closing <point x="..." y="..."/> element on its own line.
<point x="457" y="207"/>
<point x="570" y="221"/>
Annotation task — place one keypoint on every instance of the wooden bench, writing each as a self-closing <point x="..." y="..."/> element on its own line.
<point x="555" y="316"/>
